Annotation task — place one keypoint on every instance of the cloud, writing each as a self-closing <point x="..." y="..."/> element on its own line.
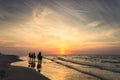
<point x="59" y="23"/>
<point x="93" y="24"/>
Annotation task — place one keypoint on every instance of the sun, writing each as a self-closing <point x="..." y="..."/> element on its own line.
<point x="62" y="51"/>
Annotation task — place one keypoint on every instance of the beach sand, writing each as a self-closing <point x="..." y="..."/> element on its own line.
<point x="9" y="72"/>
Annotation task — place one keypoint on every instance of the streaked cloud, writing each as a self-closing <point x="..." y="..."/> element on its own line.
<point x="58" y="24"/>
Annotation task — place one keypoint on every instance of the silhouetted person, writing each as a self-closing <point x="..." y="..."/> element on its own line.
<point x="32" y="58"/>
<point x="39" y="57"/>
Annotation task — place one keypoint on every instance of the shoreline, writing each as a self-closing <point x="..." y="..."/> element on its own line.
<point x="10" y="72"/>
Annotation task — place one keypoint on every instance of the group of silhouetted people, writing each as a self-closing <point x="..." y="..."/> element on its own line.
<point x="32" y="62"/>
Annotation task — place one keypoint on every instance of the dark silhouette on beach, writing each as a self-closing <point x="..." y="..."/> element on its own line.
<point x="32" y="61"/>
<point x="39" y="57"/>
<point x="32" y="58"/>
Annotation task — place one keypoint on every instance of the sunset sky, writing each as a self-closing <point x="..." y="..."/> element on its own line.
<point x="60" y="26"/>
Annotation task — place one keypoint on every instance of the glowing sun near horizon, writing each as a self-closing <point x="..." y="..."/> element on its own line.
<point x="62" y="51"/>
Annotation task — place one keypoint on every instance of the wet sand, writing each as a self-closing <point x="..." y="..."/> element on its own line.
<point x="56" y="71"/>
<point x="10" y="72"/>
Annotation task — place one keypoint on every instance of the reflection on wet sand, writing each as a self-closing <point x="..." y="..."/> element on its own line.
<point x="32" y="61"/>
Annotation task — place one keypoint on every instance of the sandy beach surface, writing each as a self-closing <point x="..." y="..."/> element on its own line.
<point x="10" y="72"/>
